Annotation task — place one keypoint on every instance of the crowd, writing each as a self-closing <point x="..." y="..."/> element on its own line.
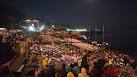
<point x="44" y="56"/>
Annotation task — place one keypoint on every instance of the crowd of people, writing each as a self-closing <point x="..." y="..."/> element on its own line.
<point x="47" y="55"/>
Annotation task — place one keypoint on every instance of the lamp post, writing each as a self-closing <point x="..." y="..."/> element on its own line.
<point x="103" y="38"/>
<point x="95" y="32"/>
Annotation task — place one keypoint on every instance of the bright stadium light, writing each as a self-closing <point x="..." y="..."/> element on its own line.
<point x="28" y="20"/>
<point x="31" y="28"/>
<point x="33" y="25"/>
<point x="42" y="27"/>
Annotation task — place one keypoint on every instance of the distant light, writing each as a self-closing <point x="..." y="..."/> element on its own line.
<point x="42" y="27"/>
<point x="31" y="28"/>
<point x="53" y="26"/>
<point x="28" y="20"/>
<point x="24" y="27"/>
<point x="35" y="20"/>
<point x="33" y="25"/>
<point x="84" y="37"/>
<point x="107" y="44"/>
<point x="2" y="28"/>
<point x="77" y="30"/>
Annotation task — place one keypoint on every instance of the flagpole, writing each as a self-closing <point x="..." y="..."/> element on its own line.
<point x="89" y="33"/>
<point x="95" y="32"/>
<point x="103" y="33"/>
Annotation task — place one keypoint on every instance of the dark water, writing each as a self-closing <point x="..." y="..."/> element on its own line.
<point x="121" y="38"/>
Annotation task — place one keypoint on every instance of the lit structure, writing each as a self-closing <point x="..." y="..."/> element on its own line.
<point x="77" y="30"/>
<point x="33" y="25"/>
<point x="31" y="21"/>
<point x="31" y="28"/>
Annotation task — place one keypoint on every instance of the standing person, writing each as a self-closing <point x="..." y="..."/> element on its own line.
<point x="70" y="74"/>
<point x="37" y="72"/>
<point x="6" y="58"/>
<point x="83" y="73"/>
<point x="135" y="75"/>
<point x="84" y="62"/>
<point x="58" y="70"/>
<point x="98" y="68"/>
<point x="63" y="71"/>
<point x="76" y="69"/>
<point x="51" y="71"/>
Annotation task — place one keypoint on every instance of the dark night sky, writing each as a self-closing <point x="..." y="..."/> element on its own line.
<point x="119" y="16"/>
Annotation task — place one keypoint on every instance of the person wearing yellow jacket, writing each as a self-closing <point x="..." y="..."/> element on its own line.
<point x="70" y="74"/>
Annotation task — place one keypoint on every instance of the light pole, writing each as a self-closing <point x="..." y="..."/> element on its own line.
<point x="89" y="32"/>
<point x="103" y="34"/>
<point x="95" y="32"/>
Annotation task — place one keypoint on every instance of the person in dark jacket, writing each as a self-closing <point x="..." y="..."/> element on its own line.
<point x="63" y="71"/>
<point x="6" y="57"/>
<point x="51" y="71"/>
<point x="98" y="68"/>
